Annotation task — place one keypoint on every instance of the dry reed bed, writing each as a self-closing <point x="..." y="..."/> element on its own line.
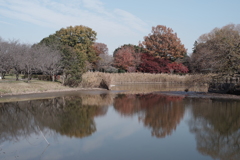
<point x="143" y="88"/>
<point x="147" y="78"/>
<point x="92" y="79"/>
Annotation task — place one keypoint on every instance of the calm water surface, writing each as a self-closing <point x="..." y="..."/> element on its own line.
<point x="120" y="127"/>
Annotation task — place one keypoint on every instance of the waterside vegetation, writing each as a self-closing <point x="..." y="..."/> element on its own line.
<point x="97" y="80"/>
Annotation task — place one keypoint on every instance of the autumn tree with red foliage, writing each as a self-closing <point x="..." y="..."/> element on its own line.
<point x="127" y="57"/>
<point x="151" y="64"/>
<point x="163" y="43"/>
<point x="123" y="59"/>
<point x="175" y="67"/>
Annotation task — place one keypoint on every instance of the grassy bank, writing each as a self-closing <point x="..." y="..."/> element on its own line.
<point x="35" y="86"/>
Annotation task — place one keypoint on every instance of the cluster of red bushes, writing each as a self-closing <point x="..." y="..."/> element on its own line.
<point x="146" y="62"/>
<point x="151" y="64"/>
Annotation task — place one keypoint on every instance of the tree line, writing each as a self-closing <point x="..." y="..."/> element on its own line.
<point x="158" y="53"/>
<point x="162" y="52"/>
<point x="72" y="51"/>
<point x="24" y="58"/>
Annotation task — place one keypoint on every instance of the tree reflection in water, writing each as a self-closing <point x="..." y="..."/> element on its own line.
<point x="216" y="125"/>
<point x="158" y="112"/>
<point x="66" y="115"/>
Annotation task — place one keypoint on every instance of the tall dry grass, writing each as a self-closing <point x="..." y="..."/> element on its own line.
<point x="96" y="80"/>
<point x="147" y="78"/>
<point x="144" y="88"/>
<point x="93" y="79"/>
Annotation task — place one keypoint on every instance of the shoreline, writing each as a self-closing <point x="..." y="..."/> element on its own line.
<point x="51" y="94"/>
<point x="15" y="88"/>
<point x="51" y="91"/>
<point x="42" y="89"/>
<point x="201" y="95"/>
<point x="93" y="91"/>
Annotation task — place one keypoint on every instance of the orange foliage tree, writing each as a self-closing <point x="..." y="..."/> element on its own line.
<point x="163" y="43"/>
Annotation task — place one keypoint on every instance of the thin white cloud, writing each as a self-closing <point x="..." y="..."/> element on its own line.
<point x="5" y="22"/>
<point x="24" y="17"/>
<point x="59" y="14"/>
<point x="96" y="5"/>
<point x="131" y="20"/>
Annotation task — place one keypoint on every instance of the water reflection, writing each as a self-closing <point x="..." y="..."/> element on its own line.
<point x="160" y="113"/>
<point x="65" y="115"/>
<point x="216" y="125"/>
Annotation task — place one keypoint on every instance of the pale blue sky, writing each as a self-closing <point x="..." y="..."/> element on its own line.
<point x="116" y="22"/>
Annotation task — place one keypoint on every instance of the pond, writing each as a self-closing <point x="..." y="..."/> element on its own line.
<point x="112" y="125"/>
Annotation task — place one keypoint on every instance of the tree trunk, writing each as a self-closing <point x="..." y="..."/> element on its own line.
<point x="17" y="76"/>
<point x="29" y="78"/>
<point x="3" y="73"/>
<point x="53" y="78"/>
<point x="63" y="78"/>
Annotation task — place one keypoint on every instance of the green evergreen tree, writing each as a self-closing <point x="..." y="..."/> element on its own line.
<point x="76" y="45"/>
